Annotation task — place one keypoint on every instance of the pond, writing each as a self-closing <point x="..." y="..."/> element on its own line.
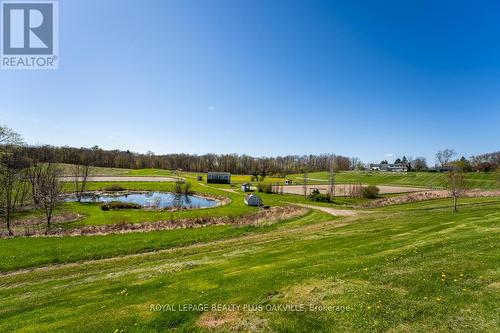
<point x="152" y="199"/>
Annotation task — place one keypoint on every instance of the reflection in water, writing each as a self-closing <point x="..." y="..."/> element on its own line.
<point x="153" y="200"/>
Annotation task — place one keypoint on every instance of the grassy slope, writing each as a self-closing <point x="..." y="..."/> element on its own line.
<point x="36" y="252"/>
<point x="424" y="179"/>
<point x="418" y="269"/>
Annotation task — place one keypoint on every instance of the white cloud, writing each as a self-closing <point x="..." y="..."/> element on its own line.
<point x="389" y="155"/>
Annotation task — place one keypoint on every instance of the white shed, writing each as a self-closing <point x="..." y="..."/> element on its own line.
<point x="253" y="200"/>
<point x="246" y="187"/>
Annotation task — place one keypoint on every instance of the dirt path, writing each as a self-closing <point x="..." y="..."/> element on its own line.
<point x="331" y="211"/>
<point x="218" y="188"/>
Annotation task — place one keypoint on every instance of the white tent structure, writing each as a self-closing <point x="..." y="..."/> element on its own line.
<point x="253" y="200"/>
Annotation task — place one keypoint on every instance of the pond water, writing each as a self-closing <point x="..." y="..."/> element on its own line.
<point x="153" y="199"/>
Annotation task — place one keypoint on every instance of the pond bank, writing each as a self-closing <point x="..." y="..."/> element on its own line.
<point x="263" y="216"/>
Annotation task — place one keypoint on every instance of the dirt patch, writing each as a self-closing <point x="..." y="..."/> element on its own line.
<point x="41" y="220"/>
<point x="343" y="189"/>
<point x="262" y="217"/>
<point x="35" y="225"/>
<point x="218" y="319"/>
<point x="494" y="285"/>
<point x="232" y="321"/>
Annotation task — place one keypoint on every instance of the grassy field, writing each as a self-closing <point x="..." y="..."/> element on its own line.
<point x="410" y="268"/>
<point x="99" y="171"/>
<point x="423" y="179"/>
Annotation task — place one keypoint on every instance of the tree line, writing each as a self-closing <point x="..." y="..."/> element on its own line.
<point x="234" y="163"/>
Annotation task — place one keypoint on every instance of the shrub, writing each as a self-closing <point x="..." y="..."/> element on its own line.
<point x="114" y="188"/>
<point x="117" y="205"/>
<point x="265" y="187"/>
<point x="182" y="188"/>
<point x="316" y="196"/>
<point x="370" y="192"/>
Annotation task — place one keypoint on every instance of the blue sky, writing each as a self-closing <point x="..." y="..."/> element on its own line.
<point x="359" y="78"/>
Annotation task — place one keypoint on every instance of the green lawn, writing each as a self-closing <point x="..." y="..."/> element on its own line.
<point x="419" y="268"/>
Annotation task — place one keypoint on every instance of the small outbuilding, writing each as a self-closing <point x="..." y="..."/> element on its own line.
<point x="219" y="178"/>
<point x="247" y="187"/>
<point x="253" y="200"/>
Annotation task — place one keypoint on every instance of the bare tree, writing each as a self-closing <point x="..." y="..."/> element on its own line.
<point x="33" y="175"/>
<point x="80" y="175"/>
<point x="50" y="188"/>
<point x="13" y="186"/>
<point x="443" y="157"/>
<point x="457" y="185"/>
<point x="331" y="180"/>
<point x="9" y="137"/>
<point x="13" y="190"/>
<point x="419" y="164"/>
<point x="306" y="178"/>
